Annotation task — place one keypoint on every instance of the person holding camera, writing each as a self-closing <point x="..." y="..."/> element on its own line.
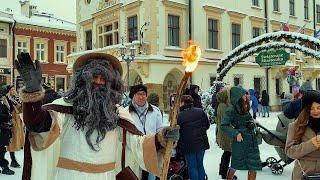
<point x="303" y="138"/>
<point x="5" y="129"/>
<point x="238" y="124"/>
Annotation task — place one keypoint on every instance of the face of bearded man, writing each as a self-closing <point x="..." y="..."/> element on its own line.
<point x="96" y="89"/>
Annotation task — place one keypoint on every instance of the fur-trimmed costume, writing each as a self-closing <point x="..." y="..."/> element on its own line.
<point x="75" y="160"/>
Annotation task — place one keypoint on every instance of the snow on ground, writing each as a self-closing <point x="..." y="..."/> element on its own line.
<point x="212" y="157"/>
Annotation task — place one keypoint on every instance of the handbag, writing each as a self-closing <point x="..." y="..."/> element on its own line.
<point x="305" y="176"/>
<point x="126" y="173"/>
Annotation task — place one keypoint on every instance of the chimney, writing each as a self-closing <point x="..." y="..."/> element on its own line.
<point x="25" y="8"/>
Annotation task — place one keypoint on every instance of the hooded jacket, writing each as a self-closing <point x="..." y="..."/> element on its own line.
<point x="245" y="154"/>
<point x="254" y="101"/>
<point x="223" y="140"/>
<point x="196" y="98"/>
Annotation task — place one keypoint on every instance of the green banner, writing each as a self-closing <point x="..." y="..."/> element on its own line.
<point x="272" y="58"/>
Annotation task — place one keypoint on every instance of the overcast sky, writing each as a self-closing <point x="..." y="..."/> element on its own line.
<point x="65" y="9"/>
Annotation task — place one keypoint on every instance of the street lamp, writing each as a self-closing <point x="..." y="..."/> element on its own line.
<point x="127" y="58"/>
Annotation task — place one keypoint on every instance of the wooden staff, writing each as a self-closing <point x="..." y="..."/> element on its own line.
<point x="173" y="122"/>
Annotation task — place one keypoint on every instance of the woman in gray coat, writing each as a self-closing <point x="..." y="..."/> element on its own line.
<point x="303" y="139"/>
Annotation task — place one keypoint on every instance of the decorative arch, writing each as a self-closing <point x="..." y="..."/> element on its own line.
<point x="304" y="43"/>
<point x="170" y="84"/>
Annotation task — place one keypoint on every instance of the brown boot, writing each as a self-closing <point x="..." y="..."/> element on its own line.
<point x="252" y="175"/>
<point x="231" y="173"/>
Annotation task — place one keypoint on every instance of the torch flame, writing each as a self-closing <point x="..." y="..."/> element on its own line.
<point x="191" y="56"/>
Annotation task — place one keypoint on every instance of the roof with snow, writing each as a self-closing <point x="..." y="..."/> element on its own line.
<point x="36" y="17"/>
<point x="45" y="20"/>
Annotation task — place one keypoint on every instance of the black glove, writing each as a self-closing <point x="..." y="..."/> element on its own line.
<point x="30" y="72"/>
<point x="168" y="134"/>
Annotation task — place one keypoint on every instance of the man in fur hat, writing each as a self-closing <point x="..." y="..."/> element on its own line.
<point x="97" y="138"/>
<point x="147" y="117"/>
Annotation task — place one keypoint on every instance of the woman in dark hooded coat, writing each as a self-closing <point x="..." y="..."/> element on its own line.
<point x="245" y="151"/>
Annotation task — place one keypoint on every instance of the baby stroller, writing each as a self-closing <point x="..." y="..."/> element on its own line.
<point x="177" y="168"/>
<point x="277" y="138"/>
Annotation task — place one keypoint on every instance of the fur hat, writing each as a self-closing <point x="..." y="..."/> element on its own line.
<point x="306" y="86"/>
<point x="137" y="88"/>
<point x="84" y="59"/>
<point x="309" y="97"/>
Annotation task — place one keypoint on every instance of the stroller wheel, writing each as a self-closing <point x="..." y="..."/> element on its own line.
<point x="270" y="161"/>
<point x="175" y="177"/>
<point x="277" y="168"/>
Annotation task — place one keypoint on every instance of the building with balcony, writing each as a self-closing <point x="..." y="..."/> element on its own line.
<point x="161" y="29"/>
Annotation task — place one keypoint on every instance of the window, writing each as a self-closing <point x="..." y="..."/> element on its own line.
<point x="60" y="84"/>
<point x="3" y="48"/>
<point x="59" y="54"/>
<point x="276" y="5"/>
<point x="74" y="49"/>
<point x="88" y="40"/>
<point x="255" y="32"/>
<point x="291" y="7"/>
<point x="255" y="2"/>
<point x="257" y="84"/>
<point x="40" y="52"/>
<point x="108" y="34"/>
<point x="306" y="9"/>
<point x="3" y="80"/>
<point x="318" y="13"/>
<point x="22" y="47"/>
<point x="213" y="33"/>
<point x="318" y="83"/>
<point x="133" y="28"/>
<point x="173" y="30"/>
<point x="235" y="35"/>
<point x="278" y="90"/>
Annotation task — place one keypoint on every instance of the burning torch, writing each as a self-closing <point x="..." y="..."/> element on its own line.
<point x="190" y="57"/>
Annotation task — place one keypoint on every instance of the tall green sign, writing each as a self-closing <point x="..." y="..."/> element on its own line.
<point x="272" y="58"/>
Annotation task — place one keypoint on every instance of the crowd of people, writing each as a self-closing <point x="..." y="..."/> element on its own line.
<point x="99" y="139"/>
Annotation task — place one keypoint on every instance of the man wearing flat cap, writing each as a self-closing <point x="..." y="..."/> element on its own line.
<point x="98" y="138"/>
<point x="147" y="117"/>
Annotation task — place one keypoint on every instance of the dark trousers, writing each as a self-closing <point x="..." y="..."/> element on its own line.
<point x="3" y="161"/>
<point x="12" y="156"/>
<point x="224" y="164"/>
<point x="145" y="175"/>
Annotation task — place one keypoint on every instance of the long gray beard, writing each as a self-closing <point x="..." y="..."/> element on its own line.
<point x="95" y="111"/>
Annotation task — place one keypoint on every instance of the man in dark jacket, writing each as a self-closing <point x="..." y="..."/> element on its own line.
<point x="293" y="109"/>
<point x="194" y="89"/>
<point x="49" y="94"/>
<point x="5" y="130"/>
<point x="193" y="142"/>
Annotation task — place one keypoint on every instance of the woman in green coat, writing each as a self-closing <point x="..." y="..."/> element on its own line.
<point x="245" y="151"/>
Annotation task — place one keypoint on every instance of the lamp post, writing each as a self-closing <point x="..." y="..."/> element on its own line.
<point x="127" y="58"/>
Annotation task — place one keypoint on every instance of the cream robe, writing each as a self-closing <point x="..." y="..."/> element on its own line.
<point x="63" y="141"/>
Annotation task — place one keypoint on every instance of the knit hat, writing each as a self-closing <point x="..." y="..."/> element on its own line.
<point x="309" y="97"/>
<point x="306" y="86"/>
<point x="137" y="88"/>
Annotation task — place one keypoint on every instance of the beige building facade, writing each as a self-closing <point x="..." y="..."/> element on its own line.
<point x="159" y="30"/>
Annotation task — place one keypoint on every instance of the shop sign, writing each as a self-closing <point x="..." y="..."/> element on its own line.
<point x="272" y="58"/>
